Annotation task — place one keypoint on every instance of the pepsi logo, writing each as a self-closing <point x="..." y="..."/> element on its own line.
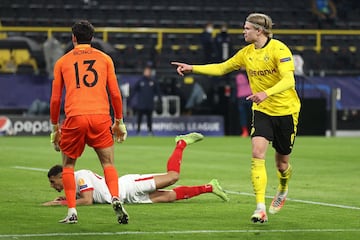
<point x="5" y="126"/>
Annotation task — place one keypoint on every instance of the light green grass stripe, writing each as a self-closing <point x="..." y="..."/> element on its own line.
<point x="299" y="201"/>
<point x="31" y="168"/>
<point x="175" y="232"/>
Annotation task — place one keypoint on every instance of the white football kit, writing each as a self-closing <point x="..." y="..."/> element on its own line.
<point x="133" y="188"/>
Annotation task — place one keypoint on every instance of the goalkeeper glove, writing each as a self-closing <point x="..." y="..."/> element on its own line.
<point x="55" y="137"/>
<point x="119" y="130"/>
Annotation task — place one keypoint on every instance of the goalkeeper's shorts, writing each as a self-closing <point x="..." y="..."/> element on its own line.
<point x="93" y="130"/>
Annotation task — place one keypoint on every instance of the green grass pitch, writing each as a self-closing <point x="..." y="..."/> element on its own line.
<point x="324" y="192"/>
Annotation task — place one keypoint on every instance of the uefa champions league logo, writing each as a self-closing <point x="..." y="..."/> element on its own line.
<point x="5" y="126"/>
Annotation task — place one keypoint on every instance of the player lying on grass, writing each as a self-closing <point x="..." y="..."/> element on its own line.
<point x="135" y="188"/>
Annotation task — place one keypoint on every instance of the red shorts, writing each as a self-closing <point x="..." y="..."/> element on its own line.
<point x="93" y="130"/>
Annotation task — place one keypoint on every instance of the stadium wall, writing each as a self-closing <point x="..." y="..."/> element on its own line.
<point x="15" y="125"/>
<point x="18" y="93"/>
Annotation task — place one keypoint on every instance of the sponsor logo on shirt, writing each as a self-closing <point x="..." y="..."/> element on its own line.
<point x="285" y="59"/>
<point x="82" y="184"/>
<point x="265" y="72"/>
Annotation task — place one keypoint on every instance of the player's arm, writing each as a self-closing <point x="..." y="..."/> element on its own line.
<point x="55" y="104"/>
<point x="118" y="128"/>
<point x="56" y="201"/>
<point x="114" y="90"/>
<point x="215" y="69"/>
<point x="287" y="81"/>
<point x="115" y="97"/>
<point x="56" y="93"/>
<point x="286" y="69"/>
<point x="86" y="198"/>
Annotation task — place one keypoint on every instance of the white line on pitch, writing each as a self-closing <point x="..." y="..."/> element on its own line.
<point x="299" y="200"/>
<point x="174" y="232"/>
<point x="31" y="168"/>
<point x="237" y="193"/>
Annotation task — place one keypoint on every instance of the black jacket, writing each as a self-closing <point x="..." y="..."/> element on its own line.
<point x="145" y="90"/>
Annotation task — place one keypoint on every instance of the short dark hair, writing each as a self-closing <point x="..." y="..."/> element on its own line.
<point x="83" y="30"/>
<point x="54" y="171"/>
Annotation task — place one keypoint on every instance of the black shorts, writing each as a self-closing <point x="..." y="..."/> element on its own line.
<point x="280" y="130"/>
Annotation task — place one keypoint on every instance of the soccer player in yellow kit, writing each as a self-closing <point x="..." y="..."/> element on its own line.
<point x="276" y="106"/>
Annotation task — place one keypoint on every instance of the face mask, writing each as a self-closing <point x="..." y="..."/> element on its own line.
<point x="209" y="29"/>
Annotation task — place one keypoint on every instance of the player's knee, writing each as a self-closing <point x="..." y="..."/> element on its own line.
<point x="166" y="197"/>
<point x="174" y="177"/>
<point x="170" y="196"/>
<point x="258" y="153"/>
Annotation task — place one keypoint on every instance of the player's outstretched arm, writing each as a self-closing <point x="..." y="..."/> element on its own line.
<point x="182" y="68"/>
<point x="86" y="198"/>
<point x="52" y="203"/>
<point x="57" y="201"/>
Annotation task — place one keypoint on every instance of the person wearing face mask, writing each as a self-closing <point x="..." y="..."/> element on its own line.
<point x="145" y="89"/>
<point x="325" y="13"/>
<point x="207" y="43"/>
<point x="222" y="44"/>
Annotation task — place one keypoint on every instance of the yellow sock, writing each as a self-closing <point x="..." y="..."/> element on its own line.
<point x="259" y="179"/>
<point x="284" y="178"/>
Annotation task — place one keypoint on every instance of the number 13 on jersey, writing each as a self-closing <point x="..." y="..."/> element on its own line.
<point x="89" y="77"/>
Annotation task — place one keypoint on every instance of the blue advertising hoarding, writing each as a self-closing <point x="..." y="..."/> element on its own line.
<point x="162" y="126"/>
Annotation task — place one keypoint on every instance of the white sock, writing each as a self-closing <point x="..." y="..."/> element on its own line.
<point x="114" y="198"/>
<point x="72" y="211"/>
<point x="260" y="206"/>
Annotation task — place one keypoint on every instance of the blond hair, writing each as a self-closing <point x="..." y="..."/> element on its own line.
<point x="261" y="21"/>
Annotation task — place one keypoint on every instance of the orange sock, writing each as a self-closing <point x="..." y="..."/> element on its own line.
<point x="69" y="186"/>
<point x="111" y="179"/>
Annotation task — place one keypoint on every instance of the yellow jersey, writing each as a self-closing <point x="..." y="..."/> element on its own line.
<point x="269" y="69"/>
